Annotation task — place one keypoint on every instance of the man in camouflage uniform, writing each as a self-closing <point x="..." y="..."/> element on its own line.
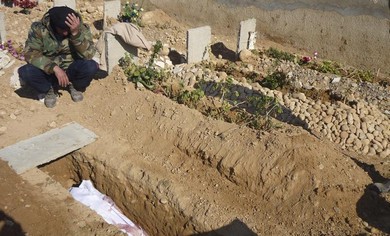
<point x="59" y="51"/>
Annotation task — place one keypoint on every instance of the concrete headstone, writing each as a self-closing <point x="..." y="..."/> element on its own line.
<point x="116" y="48"/>
<point x="3" y="33"/>
<point x="246" y="35"/>
<point x="68" y="3"/>
<point x="112" y="9"/>
<point x="198" y="42"/>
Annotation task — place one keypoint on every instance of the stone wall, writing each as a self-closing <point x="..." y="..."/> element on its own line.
<point x="354" y="32"/>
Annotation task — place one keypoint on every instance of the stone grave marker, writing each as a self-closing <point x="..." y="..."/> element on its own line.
<point x="3" y="33"/>
<point x="198" y="42"/>
<point x="116" y="49"/>
<point x="112" y="8"/>
<point x="247" y="35"/>
<point x="68" y="3"/>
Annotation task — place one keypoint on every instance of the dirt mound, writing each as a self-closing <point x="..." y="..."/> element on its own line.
<point x="176" y="172"/>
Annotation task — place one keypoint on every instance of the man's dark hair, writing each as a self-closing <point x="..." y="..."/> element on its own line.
<point x="58" y="17"/>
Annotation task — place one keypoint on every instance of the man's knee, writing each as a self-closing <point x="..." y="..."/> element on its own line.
<point x="29" y="71"/>
<point x="92" y="67"/>
<point x="23" y="71"/>
<point x="84" y="67"/>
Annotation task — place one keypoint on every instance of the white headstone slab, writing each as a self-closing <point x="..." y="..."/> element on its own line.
<point x="116" y="48"/>
<point x="68" y="3"/>
<point x="198" y="43"/>
<point x="246" y="35"/>
<point x="112" y="9"/>
<point x="3" y="33"/>
<point x="46" y="147"/>
<point x="252" y="40"/>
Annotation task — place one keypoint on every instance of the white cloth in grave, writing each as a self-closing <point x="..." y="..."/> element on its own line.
<point x="105" y="207"/>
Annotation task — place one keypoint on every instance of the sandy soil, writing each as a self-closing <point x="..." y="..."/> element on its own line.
<point x="176" y="172"/>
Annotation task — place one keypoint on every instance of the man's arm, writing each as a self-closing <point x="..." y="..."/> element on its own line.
<point x="33" y="50"/>
<point x="81" y="37"/>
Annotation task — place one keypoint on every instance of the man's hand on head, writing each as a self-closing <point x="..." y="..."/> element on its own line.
<point x="74" y="23"/>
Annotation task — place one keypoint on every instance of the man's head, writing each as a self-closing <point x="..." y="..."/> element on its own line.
<point x="57" y="20"/>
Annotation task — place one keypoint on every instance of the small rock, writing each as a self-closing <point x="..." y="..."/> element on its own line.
<point x="17" y="112"/>
<point x="3" y="129"/>
<point x="165" y="51"/>
<point x="82" y="224"/>
<point x="12" y="116"/>
<point x="384" y="154"/>
<point x="2" y="114"/>
<point x="336" y="80"/>
<point x="374" y="231"/>
<point x="328" y="119"/>
<point x="300" y="96"/>
<point x="245" y="55"/>
<point x="163" y="201"/>
<point x="91" y="9"/>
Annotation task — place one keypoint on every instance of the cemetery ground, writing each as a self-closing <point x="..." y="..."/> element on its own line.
<point x="175" y="171"/>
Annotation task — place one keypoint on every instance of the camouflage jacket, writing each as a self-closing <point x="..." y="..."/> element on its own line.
<point x="45" y="51"/>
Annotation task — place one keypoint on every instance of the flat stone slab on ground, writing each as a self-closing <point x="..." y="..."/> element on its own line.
<point x="46" y="147"/>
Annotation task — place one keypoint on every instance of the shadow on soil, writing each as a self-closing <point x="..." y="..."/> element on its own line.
<point x="236" y="227"/>
<point x="372" y="207"/>
<point x="217" y="91"/>
<point x="219" y="49"/>
<point x="176" y="57"/>
<point x="9" y="227"/>
<point x="98" y="24"/>
<point x="27" y="92"/>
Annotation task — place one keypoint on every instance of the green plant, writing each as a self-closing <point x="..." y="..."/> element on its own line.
<point x="226" y="86"/>
<point x="280" y="55"/>
<point x="190" y="98"/>
<point x="274" y="80"/>
<point x="326" y="67"/>
<point x="363" y="75"/>
<point x="8" y="3"/>
<point x="146" y="75"/>
<point x="131" y="13"/>
<point x="156" y="49"/>
<point x="228" y="67"/>
<point x="257" y="52"/>
<point x="265" y="107"/>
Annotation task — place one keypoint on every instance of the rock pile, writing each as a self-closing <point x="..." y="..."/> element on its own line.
<point x="357" y="123"/>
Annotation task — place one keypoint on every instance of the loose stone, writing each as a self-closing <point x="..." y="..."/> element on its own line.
<point x="385" y="153"/>
<point x="3" y="129"/>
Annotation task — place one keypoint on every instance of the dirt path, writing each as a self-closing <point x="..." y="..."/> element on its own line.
<point x="170" y="169"/>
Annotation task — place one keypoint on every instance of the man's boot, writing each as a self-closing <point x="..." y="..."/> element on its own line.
<point x="50" y="98"/>
<point x="76" y="95"/>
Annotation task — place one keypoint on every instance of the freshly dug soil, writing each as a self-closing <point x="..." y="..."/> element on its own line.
<point x="176" y="172"/>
